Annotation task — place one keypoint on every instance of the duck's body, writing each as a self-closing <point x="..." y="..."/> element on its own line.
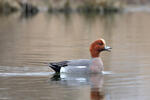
<point x="93" y="65"/>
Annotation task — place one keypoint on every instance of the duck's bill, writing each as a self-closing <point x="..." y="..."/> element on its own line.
<point x="107" y="48"/>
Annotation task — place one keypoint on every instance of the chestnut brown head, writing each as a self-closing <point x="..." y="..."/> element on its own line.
<point x="97" y="47"/>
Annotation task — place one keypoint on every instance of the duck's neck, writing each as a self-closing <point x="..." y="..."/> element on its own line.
<point x="95" y="54"/>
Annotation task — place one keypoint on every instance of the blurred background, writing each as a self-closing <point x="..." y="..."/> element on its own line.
<point x="35" y="32"/>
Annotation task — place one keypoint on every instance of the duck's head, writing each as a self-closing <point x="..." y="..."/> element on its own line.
<point x="97" y="47"/>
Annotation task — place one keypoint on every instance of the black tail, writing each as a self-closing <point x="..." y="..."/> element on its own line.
<point x="56" y="66"/>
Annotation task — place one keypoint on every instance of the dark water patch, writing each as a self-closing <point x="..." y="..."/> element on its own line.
<point x="8" y="7"/>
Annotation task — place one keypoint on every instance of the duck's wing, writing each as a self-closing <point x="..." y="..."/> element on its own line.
<point x="76" y="66"/>
<point x="56" y="66"/>
<point x="79" y="62"/>
<point x="69" y="64"/>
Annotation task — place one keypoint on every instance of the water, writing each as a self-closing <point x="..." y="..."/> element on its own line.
<point x="27" y="44"/>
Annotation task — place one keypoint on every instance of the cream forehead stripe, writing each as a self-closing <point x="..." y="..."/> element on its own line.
<point x="103" y="41"/>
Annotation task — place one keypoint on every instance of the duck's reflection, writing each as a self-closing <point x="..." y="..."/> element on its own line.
<point x="96" y="94"/>
<point x="95" y="81"/>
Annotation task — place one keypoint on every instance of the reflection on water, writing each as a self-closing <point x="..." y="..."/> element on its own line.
<point x="96" y="94"/>
<point x="27" y="44"/>
<point x="95" y="81"/>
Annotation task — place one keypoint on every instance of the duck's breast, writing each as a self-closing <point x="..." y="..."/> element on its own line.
<point x="96" y="65"/>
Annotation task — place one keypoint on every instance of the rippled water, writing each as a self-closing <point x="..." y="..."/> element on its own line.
<point x="27" y="44"/>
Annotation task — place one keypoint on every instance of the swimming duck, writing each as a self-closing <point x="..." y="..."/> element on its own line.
<point x="93" y="65"/>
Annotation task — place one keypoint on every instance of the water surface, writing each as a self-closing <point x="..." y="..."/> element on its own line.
<point x="27" y="44"/>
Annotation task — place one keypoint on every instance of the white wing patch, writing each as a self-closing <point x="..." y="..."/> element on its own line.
<point x="81" y="67"/>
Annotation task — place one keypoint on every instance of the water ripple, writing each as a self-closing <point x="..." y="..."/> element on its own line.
<point x="26" y="74"/>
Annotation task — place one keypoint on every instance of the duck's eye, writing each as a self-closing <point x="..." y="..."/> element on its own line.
<point x="100" y="43"/>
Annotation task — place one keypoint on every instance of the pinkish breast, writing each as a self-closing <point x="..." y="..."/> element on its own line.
<point x="96" y="65"/>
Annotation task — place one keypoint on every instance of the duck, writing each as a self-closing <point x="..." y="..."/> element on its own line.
<point x="82" y="66"/>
